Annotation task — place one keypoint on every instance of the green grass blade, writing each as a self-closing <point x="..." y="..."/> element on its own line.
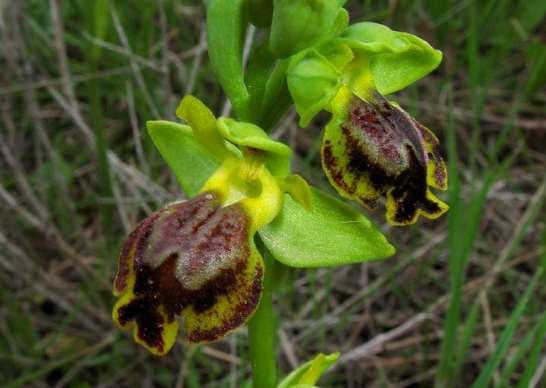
<point x="534" y="357"/>
<point x="451" y="321"/>
<point x="468" y="331"/>
<point x="504" y="341"/>
<point x="522" y="349"/>
<point x="97" y="22"/>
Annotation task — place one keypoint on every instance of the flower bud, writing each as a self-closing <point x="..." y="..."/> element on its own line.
<point x="313" y="82"/>
<point x="299" y="24"/>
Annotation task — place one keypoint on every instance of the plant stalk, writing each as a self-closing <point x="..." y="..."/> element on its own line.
<point x="262" y="329"/>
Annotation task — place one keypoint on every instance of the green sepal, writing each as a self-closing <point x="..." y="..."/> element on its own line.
<point x="277" y="155"/>
<point x="396" y="59"/>
<point x="306" y="375"/>
<point x="191" y="163"/>
<point x="300" y="24"/>
<point x="313" y="81"/>
<point x="330" y="234"/>
<point x="227" y="22"/>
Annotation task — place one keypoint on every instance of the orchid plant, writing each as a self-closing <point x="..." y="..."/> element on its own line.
<point x="215" y="259"/>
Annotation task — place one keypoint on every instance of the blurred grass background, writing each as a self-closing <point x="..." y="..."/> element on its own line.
<point x="463" y="301"/>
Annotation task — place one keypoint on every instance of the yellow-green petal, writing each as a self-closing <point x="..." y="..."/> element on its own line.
<point x="299" y="190"/>
<point x="203" y="123"/>
<point x="276" y="154"/>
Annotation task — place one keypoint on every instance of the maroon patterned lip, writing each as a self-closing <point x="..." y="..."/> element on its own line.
<point x="243" y="309"/>
<point x="384" y="130"/>
<point x="385" y="147"/>
<point x="187" y="254"/>
<point x="435" y="156"/>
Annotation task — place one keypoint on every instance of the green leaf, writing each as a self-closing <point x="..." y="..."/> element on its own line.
<point x="313" y="81"/>
<point x="396" y="59"/>
<point x="226" y="29"/>
<point x="300" y="24"/>
<point x="332" y="233"/>
<point x="277" y="157"/>
<point x="190" y="162"/>
<point x="307" y="375"/>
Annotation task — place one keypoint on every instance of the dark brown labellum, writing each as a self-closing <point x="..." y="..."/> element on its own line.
<point x="187" y="254"/>
<point x="376" y="149"/>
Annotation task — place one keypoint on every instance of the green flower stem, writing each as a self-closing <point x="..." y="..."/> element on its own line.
<point x="262" y="330"/>
<point x="276" y="98"/>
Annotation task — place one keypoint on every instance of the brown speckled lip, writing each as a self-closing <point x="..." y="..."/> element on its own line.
<point x="384" y="145"/>
<point x="244" y="310"/>
<point x="124" y="262"/>
<point x="201" y="231"/>
<point x="440" y="175"/>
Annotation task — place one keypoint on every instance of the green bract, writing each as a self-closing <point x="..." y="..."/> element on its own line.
<point x="328" y="234"/>
<point x="299" y="24"/>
